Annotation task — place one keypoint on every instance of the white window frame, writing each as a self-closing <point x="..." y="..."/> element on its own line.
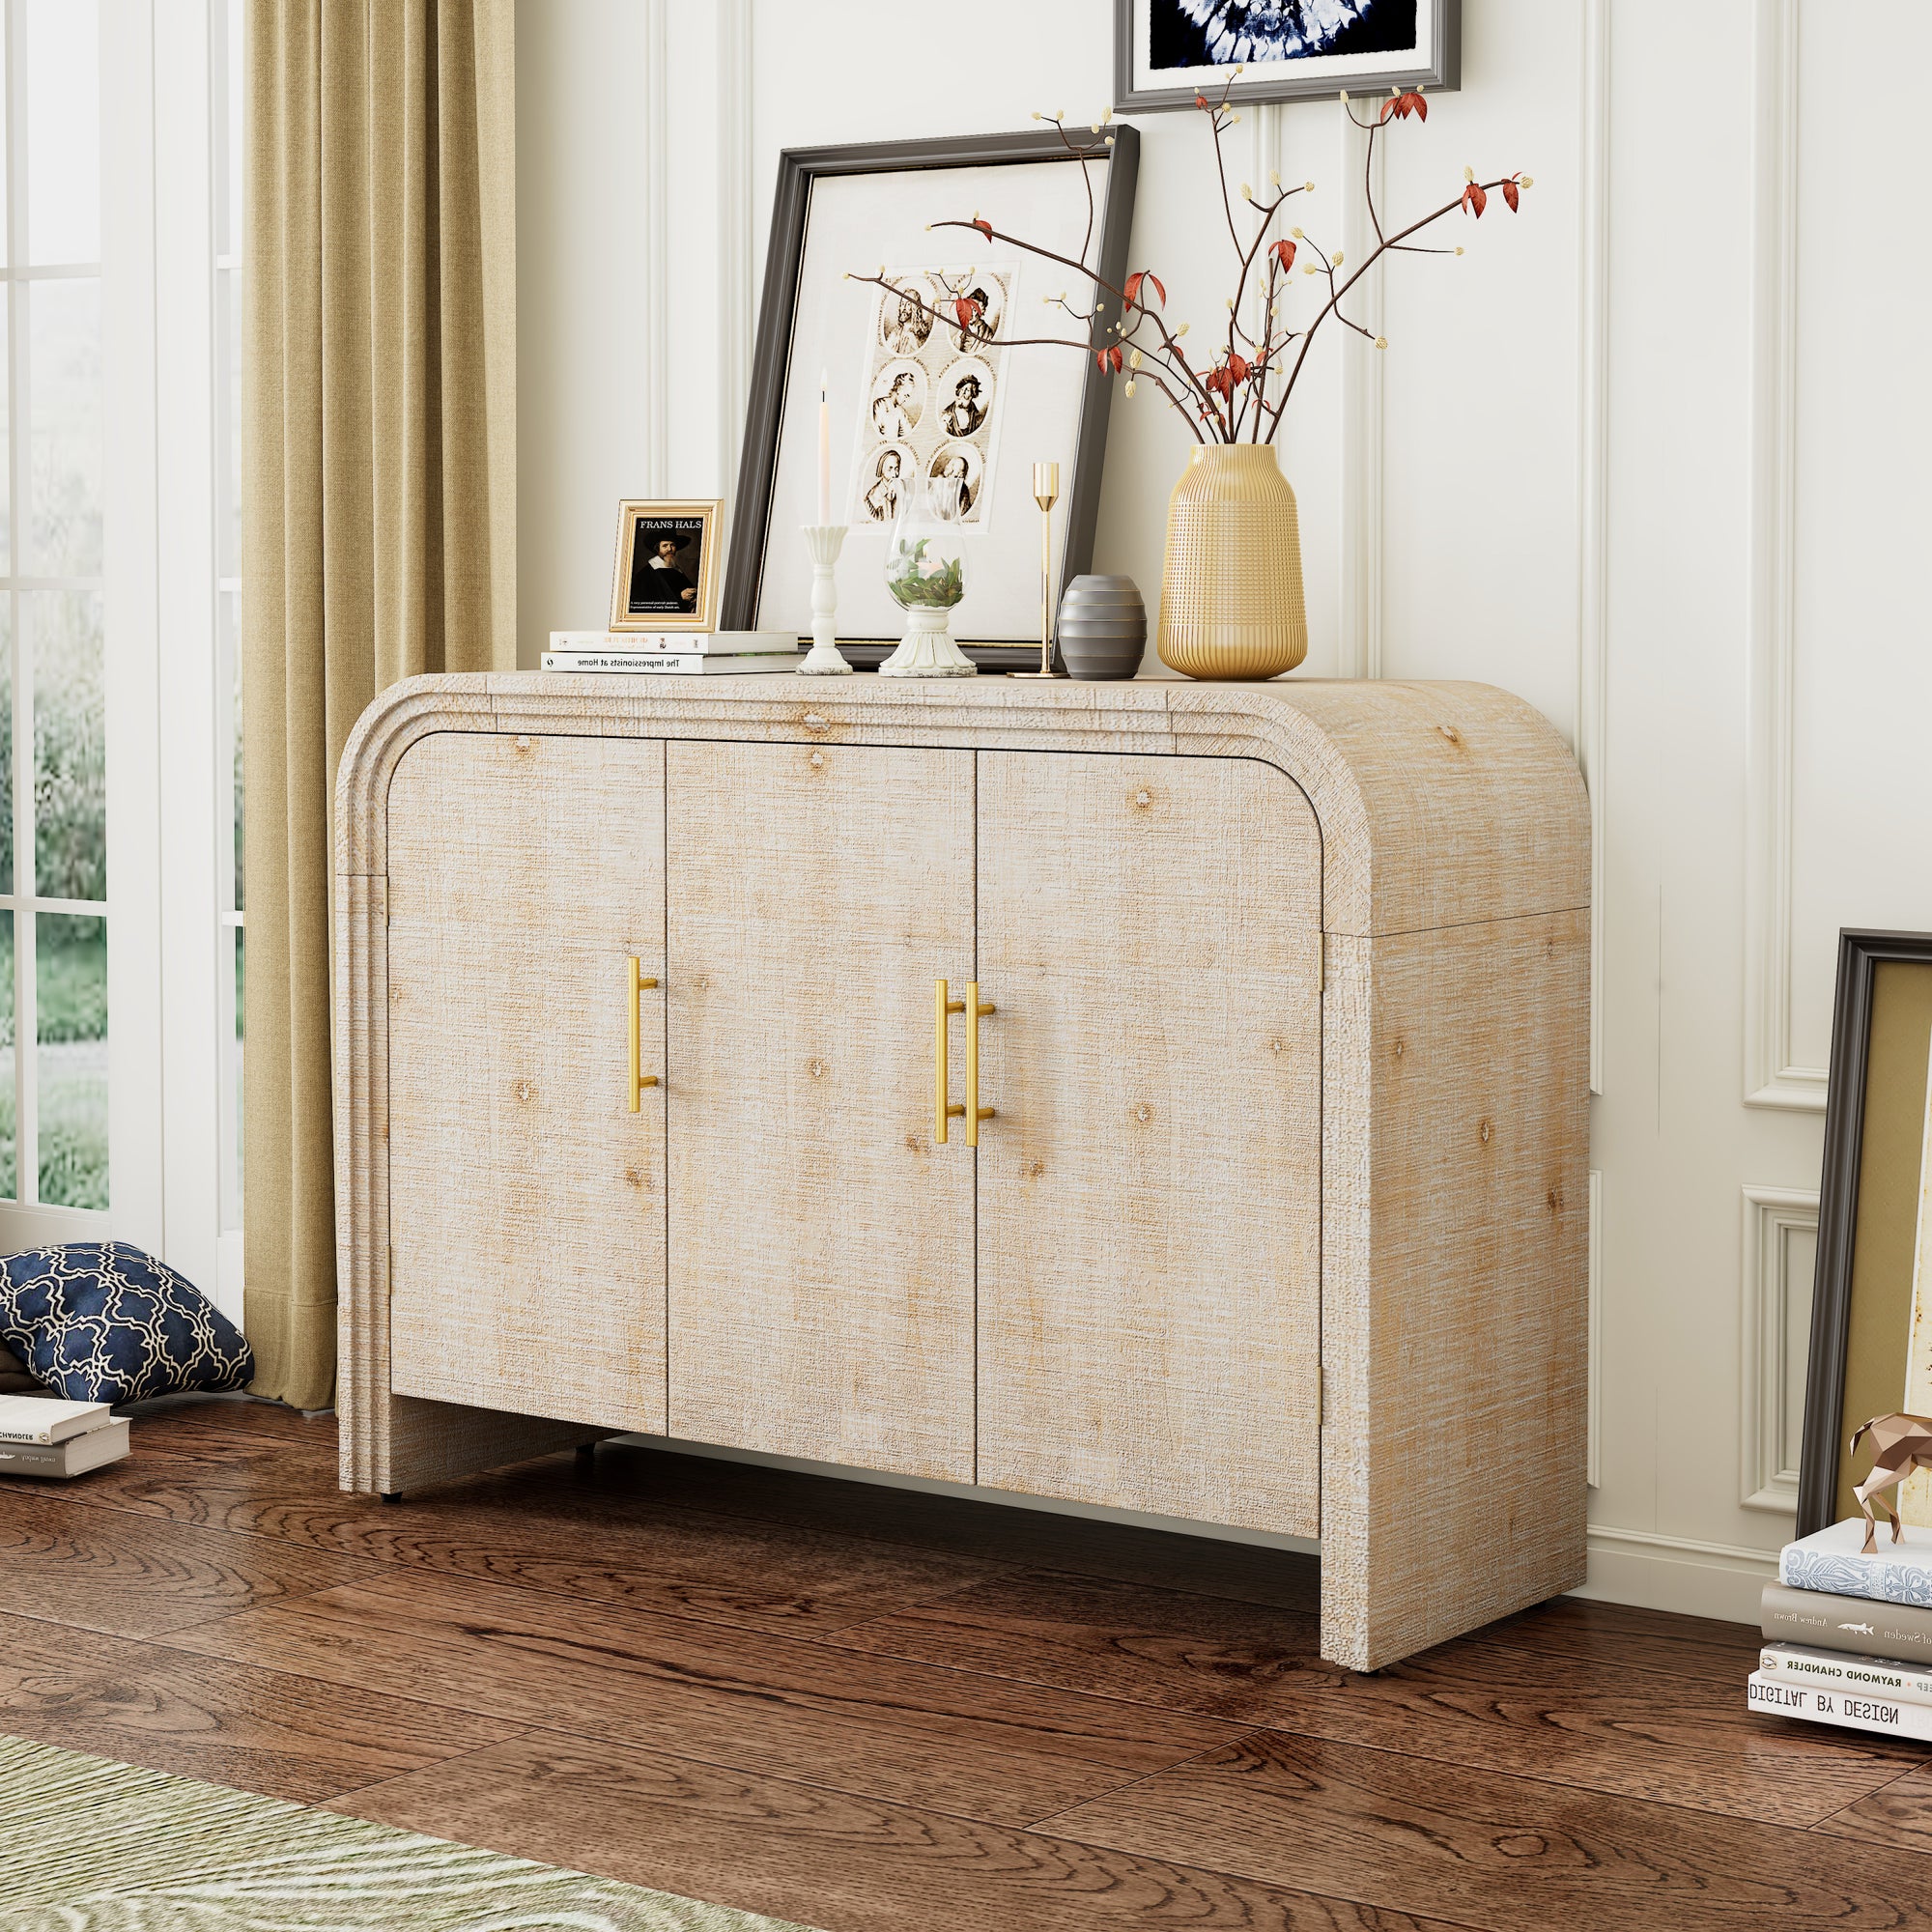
<point x="26" y="1221"/>
<point x="169" y="769"/>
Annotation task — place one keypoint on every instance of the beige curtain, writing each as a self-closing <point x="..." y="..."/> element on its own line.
<point x="379" y="519"/>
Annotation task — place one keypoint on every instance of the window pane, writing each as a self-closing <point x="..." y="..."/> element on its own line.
<point x="228" y="189"/>
<point x="9" y="1189"/>
<point x="6" y="425"/>
<point x="62" y="53"/>
<point x="7" y="756"/>
<point x="228" y="423"/>
<point x="231" y="1215"/>
<point x="71" y="991"/>
<point x="232" y="666"/>
<point x="64" y="411"/>
<point x="70" y="746"/>
<point x="6" y="155"/>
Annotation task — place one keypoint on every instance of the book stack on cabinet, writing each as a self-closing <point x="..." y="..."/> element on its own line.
<point x="671" y="653"/>
<point x="1849" y="1635"/>
<point x="41" y="1437"/>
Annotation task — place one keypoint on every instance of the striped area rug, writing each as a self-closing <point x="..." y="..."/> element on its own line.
<point x="87" y="1845"/>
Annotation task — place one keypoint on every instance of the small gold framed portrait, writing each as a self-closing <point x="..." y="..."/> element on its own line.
<point x="668" y="564"/>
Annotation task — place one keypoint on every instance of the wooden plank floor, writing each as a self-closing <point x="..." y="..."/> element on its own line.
<point x="874" y="1710"/>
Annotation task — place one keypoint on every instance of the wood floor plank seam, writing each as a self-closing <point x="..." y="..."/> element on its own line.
<point x="1904" y="1771"/>
<point x="1042" y="1823"/>
<point x="457" y="1758"/>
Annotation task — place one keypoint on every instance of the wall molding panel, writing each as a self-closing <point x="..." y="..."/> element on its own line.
<point x="655" y="241"/>
<point x="1361" y="520"/>
<point x="1770" y="1296"/>
<point x="737" y="287"/>
<point x="1593" y="478"/>
<point x="1594" y="1455"/>
<point x="1771" y="1078"/>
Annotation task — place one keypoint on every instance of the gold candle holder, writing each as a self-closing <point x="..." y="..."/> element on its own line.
<point x="1047" y="494"/>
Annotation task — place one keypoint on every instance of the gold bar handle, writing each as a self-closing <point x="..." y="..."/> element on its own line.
<point x="636" y="984"/>
<point x="974" y="1112"/>
<point x="943" y="1108"/>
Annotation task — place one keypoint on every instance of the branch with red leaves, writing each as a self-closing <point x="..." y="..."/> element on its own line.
<point x="1243" y="393"/>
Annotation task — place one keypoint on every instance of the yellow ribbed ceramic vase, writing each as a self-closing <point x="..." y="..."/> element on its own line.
<point x="1231" y="602"/>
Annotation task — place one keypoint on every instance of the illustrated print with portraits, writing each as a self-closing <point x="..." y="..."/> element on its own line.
<point x="932" y="396"/>
<point x="666" y="565"/>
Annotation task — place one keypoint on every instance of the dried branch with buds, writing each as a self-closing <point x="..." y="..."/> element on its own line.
<point x="1241" y="393"/>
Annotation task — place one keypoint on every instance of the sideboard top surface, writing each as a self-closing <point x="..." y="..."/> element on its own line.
<point x="1440" y="804"/>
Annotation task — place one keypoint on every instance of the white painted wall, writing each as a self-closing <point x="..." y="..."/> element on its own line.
<point x="1649" y="455"/>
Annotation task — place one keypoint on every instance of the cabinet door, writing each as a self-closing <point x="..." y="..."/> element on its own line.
<point x="1150" y="1192"/>
<point x="525" y="1199"/>
<point x="821" y="1246"/>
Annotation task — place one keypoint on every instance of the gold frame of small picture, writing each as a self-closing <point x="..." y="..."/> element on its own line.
<point x="695" y="517"/>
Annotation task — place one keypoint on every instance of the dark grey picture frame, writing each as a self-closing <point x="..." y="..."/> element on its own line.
<point x="1445" y="74"/>
<point x="1860" y="953"/>
<point x="798" y="169"/>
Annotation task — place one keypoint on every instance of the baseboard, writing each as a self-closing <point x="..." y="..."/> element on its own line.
<point x="1677" y="1573"/>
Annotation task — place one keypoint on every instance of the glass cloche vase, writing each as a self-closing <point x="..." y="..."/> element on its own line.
<point x="925" y="572"/>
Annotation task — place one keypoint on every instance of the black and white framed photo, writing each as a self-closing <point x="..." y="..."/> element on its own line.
<point x="922" y="409"/>
<point x="667" y="572"/>
<point x="1168" y="52"/>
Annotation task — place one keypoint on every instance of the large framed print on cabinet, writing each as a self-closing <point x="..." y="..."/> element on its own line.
<point x="1871" y="1305"/>
<point x="910" y="399"/>
<point x="1168" y="52"/>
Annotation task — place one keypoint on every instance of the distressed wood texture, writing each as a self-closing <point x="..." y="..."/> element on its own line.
<point x="1455" y="1279"/>
<point x="821" y="1277"/>
<point x="1454" y="853"/>
<point x="1440" y="804"/>
<point x="527" y="1200"/>
<point x="1150" y="1191"/>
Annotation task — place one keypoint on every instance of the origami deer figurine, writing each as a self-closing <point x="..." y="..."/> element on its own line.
<point x="1901" y="1444"/>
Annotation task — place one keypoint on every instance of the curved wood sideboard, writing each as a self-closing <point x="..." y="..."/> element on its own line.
<point x="1278" y="1218"/>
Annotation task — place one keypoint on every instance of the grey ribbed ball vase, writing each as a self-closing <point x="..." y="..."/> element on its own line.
<point x="1103" y="627"/>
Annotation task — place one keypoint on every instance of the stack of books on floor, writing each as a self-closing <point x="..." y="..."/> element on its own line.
<point x="1850" y="1636"/>
<point x="43" y="1436"/>
<point x="672" y="653"/>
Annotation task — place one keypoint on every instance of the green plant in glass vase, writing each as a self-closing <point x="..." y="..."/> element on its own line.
<point x="925" y="572"/>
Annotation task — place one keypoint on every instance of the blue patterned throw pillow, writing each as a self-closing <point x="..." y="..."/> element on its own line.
<point x="103" y="1321"/>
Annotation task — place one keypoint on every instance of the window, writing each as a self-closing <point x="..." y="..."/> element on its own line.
<point x="53" y="867"/>
<point x="119" y="770"/>
<point x="226" y="118"/>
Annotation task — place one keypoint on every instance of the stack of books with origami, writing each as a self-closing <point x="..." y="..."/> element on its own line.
<point x="671" y="653"/>
<point x="1850" y="1632"/>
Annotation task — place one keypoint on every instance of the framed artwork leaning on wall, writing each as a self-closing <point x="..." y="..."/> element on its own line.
<point x="1871" y="1305"/>
<point x="919" y="400"/>
<point x="1168" y="52"/>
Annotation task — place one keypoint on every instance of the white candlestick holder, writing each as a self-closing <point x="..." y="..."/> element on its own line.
<point x="824" y="541"/>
